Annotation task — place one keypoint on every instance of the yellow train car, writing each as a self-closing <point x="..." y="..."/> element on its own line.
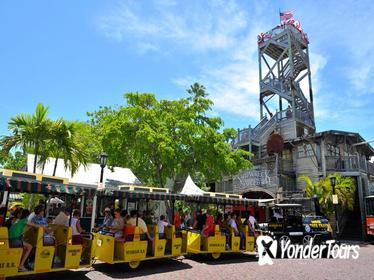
<point x="219" y="243"/>
<point x="135" y="248"/>
<point x="42" y="254"/>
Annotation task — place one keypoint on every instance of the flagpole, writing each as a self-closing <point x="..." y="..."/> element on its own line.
<point x="280" y="22"/>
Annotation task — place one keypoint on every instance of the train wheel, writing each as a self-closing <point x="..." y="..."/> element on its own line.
<point x="307" y="240"/>
<point x="216" y="256"/>
<point x="284" y="239"/>
<point x="134" y="264"/>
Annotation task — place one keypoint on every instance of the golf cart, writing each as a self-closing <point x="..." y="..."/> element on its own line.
<point x="289" y="223"/>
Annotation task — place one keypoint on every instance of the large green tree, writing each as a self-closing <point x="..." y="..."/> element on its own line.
<point x="163" y="139"/>
<point x="85" y="136"/>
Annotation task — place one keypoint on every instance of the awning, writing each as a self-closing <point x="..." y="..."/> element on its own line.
<point x="219" y="200"/>
<point x="30" y="186"/>
<point x="141" y="195"/>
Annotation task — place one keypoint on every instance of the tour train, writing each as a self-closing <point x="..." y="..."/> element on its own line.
<point x="133" y="248"/>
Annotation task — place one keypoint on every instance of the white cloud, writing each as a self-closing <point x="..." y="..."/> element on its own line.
<point x="361" y="77"/>
<point x="213" y="27"/>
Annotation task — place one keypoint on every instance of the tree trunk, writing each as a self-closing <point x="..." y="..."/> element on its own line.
<point x="43" y="166"/>
<point x="55" y="167"/>
<point x="36" y="157"/>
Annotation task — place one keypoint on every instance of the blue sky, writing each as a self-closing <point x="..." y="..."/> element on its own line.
<point x="77" y="55"/>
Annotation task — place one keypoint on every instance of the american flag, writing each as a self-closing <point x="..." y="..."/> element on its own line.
<point x="286" y="15"/>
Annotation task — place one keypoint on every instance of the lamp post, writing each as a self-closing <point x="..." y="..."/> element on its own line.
<point x="103" y="161"/>
<point x="317" y="210"/>
<point x="335" y="203"/>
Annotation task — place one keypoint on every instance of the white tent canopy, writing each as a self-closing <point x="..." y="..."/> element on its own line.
<point x="89" y="175"/>
<point x="190" y="188"/>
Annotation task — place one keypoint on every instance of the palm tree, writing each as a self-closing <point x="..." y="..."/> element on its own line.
<point x="345" y="190"/>
<point x="30" y="132"/>
<point x="64" y="144"/>
<point x="312" y="191"/>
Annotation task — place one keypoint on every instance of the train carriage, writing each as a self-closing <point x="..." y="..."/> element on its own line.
<point x="42" y="254"/>
<point x="132" y="248"/>
<point x="217" y="244"/>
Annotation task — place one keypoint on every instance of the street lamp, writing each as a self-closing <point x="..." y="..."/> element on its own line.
<point x="103" y="160"/>
<point x="335" y="203"/>
<point x="317" y="209"/>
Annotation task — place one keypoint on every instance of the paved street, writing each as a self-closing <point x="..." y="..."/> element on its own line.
<point x="232" y="267"/>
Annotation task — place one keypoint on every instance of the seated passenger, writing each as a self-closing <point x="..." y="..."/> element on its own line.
<point x="32" y="215"/>
<point x="16" y="237"/>
<point x="232" y="224"/>
<point x="239" y="224"/>
<point x="200" y="221"/>
<point x="77" y="231"/>
<point x="219" y="219"/>
<point x="15" y="215"/>
<point x="147" y="216"/>
<point x="108" y="219"/>
<point x="225" y="224"/>
<point x="62" y="217"/>
<point x="162" y="223"/>
<point x="141" y="224"/>
<point x="225" y="229"/>
<point x="117" y="225"/>
<point x="208" y="228"/>
<point x="48" y="239"/>
<point x="125" y="216"/>
<point x="177" y="220"/>
<point x="252" y="224"/>
<point x="76" y="227"/>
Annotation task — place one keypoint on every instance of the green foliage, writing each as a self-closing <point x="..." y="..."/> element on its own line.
<point x="29" y="132"/>
<point x="87" y="138"/>
<point x="30" y="200"/>
<point x="16" y="161"/>
<point x="65" y="144"/>
<point x="44" y="138"/>
<point x="345" y="189"/>
<point x="161" y="139"/>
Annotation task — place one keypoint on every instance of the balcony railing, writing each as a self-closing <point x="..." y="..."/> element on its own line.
<point x="244" y="135"/>
<point x="342" y="163"/>
<point x="349" y="163"/>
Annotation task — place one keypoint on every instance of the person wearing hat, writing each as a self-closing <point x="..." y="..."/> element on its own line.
<point x="108" y="220"/>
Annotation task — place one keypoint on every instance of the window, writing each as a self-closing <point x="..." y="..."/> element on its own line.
<point x="332" y="150"/>
<point x="305" y="150"/>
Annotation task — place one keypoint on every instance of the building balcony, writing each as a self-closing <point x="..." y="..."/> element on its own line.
<point x="349" y="164"/>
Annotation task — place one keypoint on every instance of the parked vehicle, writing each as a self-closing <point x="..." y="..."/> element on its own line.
<point x="289" y="224"/>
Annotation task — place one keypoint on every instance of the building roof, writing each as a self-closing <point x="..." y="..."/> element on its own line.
<point x="88" y="176"/>
<point x="359" y="139"/>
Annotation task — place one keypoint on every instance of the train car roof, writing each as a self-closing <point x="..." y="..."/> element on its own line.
<point x="290" y="205"/>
